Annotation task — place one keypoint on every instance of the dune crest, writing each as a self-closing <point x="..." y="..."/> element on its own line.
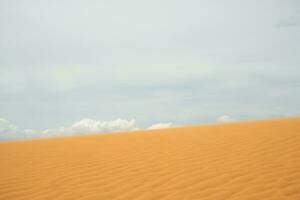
<point x="247" y="160"/>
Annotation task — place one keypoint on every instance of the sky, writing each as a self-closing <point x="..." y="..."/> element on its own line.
<point x="127" y="65"/>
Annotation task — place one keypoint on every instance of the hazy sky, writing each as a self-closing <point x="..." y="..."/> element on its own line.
<point x="154" y="61"/>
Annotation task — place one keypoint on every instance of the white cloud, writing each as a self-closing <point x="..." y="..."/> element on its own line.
<point x="9" y="131"/>
<point x="225" y="119"/>
<point x="161" y="125"/>
<point x="87" y="125"/>
<point x="7" y="126"/>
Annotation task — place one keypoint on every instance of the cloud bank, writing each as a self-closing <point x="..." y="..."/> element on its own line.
<point x="9" y="131"/>
<point x="225" y="119"/>
<point x="161" y="125"/>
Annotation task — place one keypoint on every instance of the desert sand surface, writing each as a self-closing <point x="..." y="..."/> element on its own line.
<point x="245" y="160"/>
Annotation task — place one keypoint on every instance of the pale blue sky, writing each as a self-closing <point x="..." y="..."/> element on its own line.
<point x="185" y="62"/>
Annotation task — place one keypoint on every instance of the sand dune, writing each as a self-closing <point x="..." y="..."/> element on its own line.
<point x="249" y="160"/>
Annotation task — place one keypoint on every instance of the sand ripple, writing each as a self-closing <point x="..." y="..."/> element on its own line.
<point x="250" y="160"/>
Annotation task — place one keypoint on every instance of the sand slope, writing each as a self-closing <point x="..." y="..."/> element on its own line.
<point x="250" y="160"/>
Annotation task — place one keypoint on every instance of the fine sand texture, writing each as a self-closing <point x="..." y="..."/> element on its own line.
<point x="247" y="160"/>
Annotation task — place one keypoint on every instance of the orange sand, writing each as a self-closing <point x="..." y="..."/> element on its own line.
<point x="248" y="160"/>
